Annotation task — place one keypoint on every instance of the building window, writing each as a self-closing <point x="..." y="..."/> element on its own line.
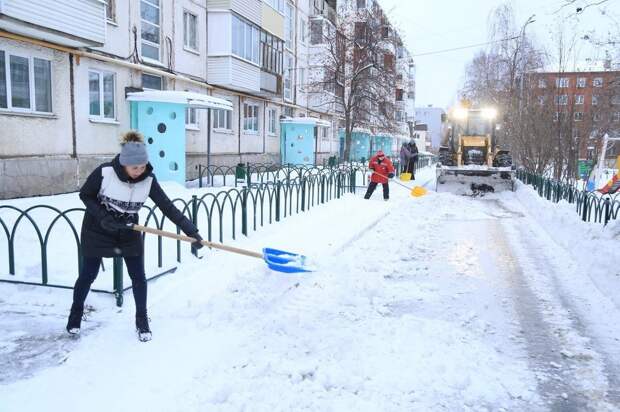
<point x="25" y="83"/>
<point x="399" y="95"/>
<point x="561" y="100"/>
<point x="542" y="100"/>
<point x="288" y="76"/>
<point x="190" y="31"/>
<point x="542" y="83"/>
<point x="150" y="29"/>
<point x="289" y="26"/>
<point x="277" y="5"/>
<point x="615" y="100"/>
<point x="579" y="99"/>
<point x="152" y="82"/>
<point x="101" y="87"/>
<point x="272" y="121"/>
<point x="616" y="117"/>
<point x="316" y="31"/>
<point x="556" y="116"/>
<point x="596" y="117"/>
<point x="250" y="117"/>
<point x="272" y="50"/>
<point x="245" y="40"/>
<point x="594" y="100"/>
<point x="361" y="4"/>
<point x="562" y="82"/>
<point x="578" y="116"/>
<point x="110" y="12"/>
<point x="581" y="82"/>
<point x="597" y="82"/>
<point x="302" y="78"/>
<point x="302" y="30"/>
<point x="222" y="119"/>
<point x="191" y="118"/>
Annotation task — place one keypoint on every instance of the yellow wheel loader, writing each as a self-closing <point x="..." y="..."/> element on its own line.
<point x="469" y="160"/>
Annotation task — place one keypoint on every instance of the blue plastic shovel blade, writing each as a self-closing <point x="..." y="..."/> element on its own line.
<point x="282" y="261"/>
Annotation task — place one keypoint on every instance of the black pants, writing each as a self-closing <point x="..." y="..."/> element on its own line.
<point x="90" y="269"/>
<point x="373" y="185"/>
<point x="410" y="167"/>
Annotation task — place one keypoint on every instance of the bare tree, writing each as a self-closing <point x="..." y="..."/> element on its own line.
<point x="356" y="75"/>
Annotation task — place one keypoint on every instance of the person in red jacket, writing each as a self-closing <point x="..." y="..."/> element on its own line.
<point x="382" y="169"/>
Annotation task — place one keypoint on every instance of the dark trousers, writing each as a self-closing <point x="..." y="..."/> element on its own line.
<point x="373" y="185"/>
<point x="90" y="269"/>
<point x="410" y="167"/>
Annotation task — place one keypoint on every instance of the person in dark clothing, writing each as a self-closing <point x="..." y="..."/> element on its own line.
<point x="382" y="171"/>
<point x="114" y="194"/>
<point x="413" y="159"/>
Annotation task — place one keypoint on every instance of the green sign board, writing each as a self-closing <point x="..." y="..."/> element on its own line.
<point x="584" y="167"/>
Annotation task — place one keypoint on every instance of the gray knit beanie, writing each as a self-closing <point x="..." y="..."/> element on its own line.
<point x="133" y="151"/>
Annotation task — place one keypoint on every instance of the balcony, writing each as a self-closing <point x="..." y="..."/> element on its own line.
<point x="324" y="8"/>
<point x="72" y="23"/>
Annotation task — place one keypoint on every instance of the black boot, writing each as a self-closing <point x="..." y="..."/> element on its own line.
<point x="142" y="327"/>
<point x="75" y="320"/>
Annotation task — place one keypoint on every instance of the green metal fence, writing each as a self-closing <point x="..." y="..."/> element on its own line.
<point x="226" y="214"/>
<point x="591" y="206"/>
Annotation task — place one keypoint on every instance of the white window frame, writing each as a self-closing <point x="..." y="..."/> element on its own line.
<point x="152" y="75"/>
<point x="186" y="32"/>
<point x="303" y="33"/>
<point x="272" y="116"/>
<point x="302" y="78"/>
<point x="581" y="82"/>
<point x="147" y="42"/>
<point x="289" y="26"/>
<point x="255" y="55"/>
<point x="189" y="113"/>
<point x="562" y="82"/>
<point x="616" y="117"/>
<point x="542" y="83"/>
<point x="101" y="115"/>
<point x="216" y="126"/>
<point x="112" y="5"/>
<point x="561" y="100"/>
<point x="580" y="99"/>
<point x="288" y="75"/>
<point x="251" y="124"/>
<point x="31" y="84"/>
<point x="597" y="82"/>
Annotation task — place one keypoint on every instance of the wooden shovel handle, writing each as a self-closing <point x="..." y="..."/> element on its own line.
<point x="139" y="228"/>
<point x="393" y="181"/>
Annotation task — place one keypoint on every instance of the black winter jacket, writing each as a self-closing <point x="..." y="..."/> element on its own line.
<point x="110" y="191"/>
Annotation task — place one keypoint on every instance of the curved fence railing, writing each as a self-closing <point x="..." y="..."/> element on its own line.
<point x="248" y="174"/>
<point x="220" y="216"/>
<point x="591" y="206"/>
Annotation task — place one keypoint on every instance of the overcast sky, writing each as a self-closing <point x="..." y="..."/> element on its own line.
<point x="430" y="25"/>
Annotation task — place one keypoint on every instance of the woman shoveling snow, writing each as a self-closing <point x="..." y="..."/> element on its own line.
<point x="114" y="194"/>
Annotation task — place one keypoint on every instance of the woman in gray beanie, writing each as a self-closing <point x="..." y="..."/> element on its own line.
<point x="114" y="194"/>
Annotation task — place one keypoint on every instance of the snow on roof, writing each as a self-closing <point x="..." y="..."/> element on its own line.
<point x="307" y="120"/>
<point x="583" y="66"/>
<point x="192" y="99"/>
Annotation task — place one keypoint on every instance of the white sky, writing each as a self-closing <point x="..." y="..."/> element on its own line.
<point x="430" y="25"/>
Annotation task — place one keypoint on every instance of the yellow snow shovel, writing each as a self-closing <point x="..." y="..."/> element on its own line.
<point x="415" y="192"/>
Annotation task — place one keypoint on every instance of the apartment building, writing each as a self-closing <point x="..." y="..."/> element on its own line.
<point x="389" y="126"/>
<point x="582" y="104"/>
<point x="66" y="68"/>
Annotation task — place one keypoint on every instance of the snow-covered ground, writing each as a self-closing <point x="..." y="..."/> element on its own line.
<point x="444" y="302"/>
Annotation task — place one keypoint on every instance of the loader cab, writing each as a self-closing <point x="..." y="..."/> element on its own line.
<point x="472" y="136"/>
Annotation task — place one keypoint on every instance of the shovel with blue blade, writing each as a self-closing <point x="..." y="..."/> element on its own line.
<point x="278" y="260"/>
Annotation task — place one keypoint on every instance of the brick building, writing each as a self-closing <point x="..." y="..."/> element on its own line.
<point x="581" y="104"/>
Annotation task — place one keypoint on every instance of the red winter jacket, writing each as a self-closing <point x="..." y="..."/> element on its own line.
<point x="385" y="168"/>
